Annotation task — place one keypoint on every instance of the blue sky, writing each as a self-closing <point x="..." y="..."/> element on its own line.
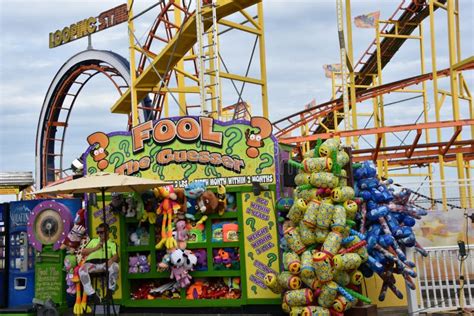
<point x="301" y="36"/>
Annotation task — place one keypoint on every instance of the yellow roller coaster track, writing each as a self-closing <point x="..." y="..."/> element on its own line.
<point x="174" y="52"/>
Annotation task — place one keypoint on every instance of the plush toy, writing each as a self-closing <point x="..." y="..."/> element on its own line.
<point x="179" y="268"/>
<point x="222" y="197"/>
<point x="76" y="234"/>
<point x="168" y="209"/>
<point x="149" y="208"/>
<point x="231" y="202"/>
<point x="183" y="203"/>
<point x="181" y="234"/>
<point x="132" y="205"/>
<point x="118" y="204"/>
<point x="201" y="256"/>
<point x="209" y="203"/>
<point x="70" y="262"/>
<point x="133" y="265"/>
<point x="143" y="264"/>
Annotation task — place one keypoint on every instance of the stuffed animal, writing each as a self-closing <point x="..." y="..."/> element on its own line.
<point x="143" y="264"/>
<point x="183" y="203"/>
<point x="168" y="208"/>
<point x="133" y="264"/>
<point x="209" y="203"/>
<point x="131" y="206"/>
<point x="179" y="269"/>
<point x="192" y="192"/>
<point x="70" y="262"/>
<point x="150" y="203"/>
<point x="181" y="234"/>
<point x="118" y="204"/>
<point x="201" y="256"/>
<point x="76" y="234"/>
<point x="222" y="197"/>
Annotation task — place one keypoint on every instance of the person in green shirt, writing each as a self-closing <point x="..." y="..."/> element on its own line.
<point x="94" y="252"/>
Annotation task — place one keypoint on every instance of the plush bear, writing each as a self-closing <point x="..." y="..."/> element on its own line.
<point x="133" y="264"/>
<point x="143" y="264"/>
<point x="209" y="203"/>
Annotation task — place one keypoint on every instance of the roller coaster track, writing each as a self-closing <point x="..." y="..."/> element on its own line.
<point x="319" y="112"/>
<point x="321" y="117"/>
<point x="173" y="52"/>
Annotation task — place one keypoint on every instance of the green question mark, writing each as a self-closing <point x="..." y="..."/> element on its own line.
<point x="236" y="137"/>
<point x="267" y="163"/>
<point x="211" y="170"/>
<point x="116" y="159"/>
<point x="254" y="289"/>
<point x="159" y="169"/>
<point x="189" y="169"/>
<point x="113" y="230"/>
<point x="267" y="194"/>
<point x="271" y="258"/>
<point x="91" y="170"/>
<point x="250" y="254"/>
<point x="270" y="225"/>
<point x="247" y="196"/>
<point x="251" y="222"/>
<point x="138" y="174"/>
<point x="124" y="145"/>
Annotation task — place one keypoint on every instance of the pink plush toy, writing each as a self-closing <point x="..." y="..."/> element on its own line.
<point x="181" y="234"/>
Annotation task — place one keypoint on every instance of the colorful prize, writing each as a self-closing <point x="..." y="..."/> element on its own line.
<point x="309" y="218"/>
<point x="328" y="294"/>
<point x="301" y="297"/>
<point x="324" y="216"/>
<point x="324" y="180"/>
<point x="309" y="311"/>
<point x="294" y="240"/>
<point x="342" y="304"/>
<point x="291" y="262"/>
<point x="296" y="211"/>
<point x="342" y="158"/>
<point x="289" y="281"/>
<point x="313" y="283"/>
<point x="347" y="261"/>
<point x="302" y="178"/>
<point x="328" y="147"/>
<point x="322" y="266"/>
<point x="317" y="164"/>
<point x="271" y="281"/>
<point x="332" y="242"/>
<point x="307" y="268"/>
<point x="342" y="194"/>
<point x="338" y="218"/>
<point x="341" y="277"/>
<point x="320" y="234"/>
<point x="351" y="209"/>
<point x="306" y="234"/>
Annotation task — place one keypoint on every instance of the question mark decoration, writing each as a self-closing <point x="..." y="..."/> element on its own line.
<point x="125" y="145"/>
<point x="113" y="230"/>
<point x="99" y="153"/>
<point x="251" y="222"/>
<point x="254" y="289"/>
<point x="255" y="140"/>
<point x="236" y="137"/>
<point x="270" y="225"/>
<point x="250" y="254"/>
<point x="267" y="161"/>
<point x="271" y="258"/>
<point x="247" y="197"/>
<point x="189" y="169"/>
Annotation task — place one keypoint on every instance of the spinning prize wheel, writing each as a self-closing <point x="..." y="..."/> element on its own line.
<point x="48" y="225"/>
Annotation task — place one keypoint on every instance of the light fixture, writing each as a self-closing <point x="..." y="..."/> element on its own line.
<point x="77" y="165"/>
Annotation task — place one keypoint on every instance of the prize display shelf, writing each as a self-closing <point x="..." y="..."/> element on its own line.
<point x="213" y="273"/>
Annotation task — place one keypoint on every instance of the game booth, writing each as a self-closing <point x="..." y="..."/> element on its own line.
<point x="236" y="221"/>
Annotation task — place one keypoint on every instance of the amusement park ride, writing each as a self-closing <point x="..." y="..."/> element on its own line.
<point x="179" y="64"/>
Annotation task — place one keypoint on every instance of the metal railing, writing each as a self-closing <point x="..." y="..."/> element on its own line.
<point x="438" y="285"/>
